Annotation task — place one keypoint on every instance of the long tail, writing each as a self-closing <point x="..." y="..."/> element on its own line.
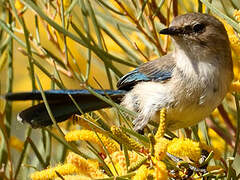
<point x="61" y="105"/>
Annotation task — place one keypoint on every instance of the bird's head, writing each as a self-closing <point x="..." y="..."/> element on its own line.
<point x="198" y="30"/>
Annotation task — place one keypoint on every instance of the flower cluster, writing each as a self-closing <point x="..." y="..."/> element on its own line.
<point x="159" y="159"/>
<point x="75" y="165"/>
<point x="235" y="45"/>
<point x="18" y="5"/>
<point x="91" y="136"/>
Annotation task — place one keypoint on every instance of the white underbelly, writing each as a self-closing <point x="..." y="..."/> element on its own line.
<point x="184" y="107"/>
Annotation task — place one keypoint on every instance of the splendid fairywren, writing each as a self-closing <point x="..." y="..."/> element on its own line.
<point x="190" y="82"/>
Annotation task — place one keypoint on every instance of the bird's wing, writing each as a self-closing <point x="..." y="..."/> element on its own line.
<point x="157" y="70"/>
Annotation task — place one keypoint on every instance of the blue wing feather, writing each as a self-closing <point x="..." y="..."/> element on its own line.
<point x="157" y="70"/>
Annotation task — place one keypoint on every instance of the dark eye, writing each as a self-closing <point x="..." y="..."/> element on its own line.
<point x="198" y="27"/>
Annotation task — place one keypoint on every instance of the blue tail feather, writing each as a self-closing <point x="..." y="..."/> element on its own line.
<point x="55" y="95"/>
<point x="61" y="104"/>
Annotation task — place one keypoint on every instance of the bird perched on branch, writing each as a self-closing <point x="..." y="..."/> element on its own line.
<point x="190" y="82"/>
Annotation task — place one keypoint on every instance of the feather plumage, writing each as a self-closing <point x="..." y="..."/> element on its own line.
<point x="156" y="70"/>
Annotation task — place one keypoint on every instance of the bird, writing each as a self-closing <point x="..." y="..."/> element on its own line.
<point x="189" y="82"/>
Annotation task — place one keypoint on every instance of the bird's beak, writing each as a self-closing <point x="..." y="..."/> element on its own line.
<point x="171" y="30"/>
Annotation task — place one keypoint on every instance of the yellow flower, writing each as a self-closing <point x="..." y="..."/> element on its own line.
<point x="87" y="167"/>
<point x="119" y="161"/>
<point x="157" y="172"/>
<point x="161" y="171"/>
<point x="235" y="86"/>
<point x="236" y="14"/>
<point x="87" y="135"/>
<point x="141" y="173"/>
<point x="235" y="45"/>
<point x="124" y="139"/>
<point x="234" y="40"/>
<point x="160" y="148"/>
<point x="138" y="164"/>
<point x="16" y="143"/>
<point x="50" y="173"/>
<point x="18" y="5"/>
<point x="162" y="124"/>
<point x="185" y="148"/>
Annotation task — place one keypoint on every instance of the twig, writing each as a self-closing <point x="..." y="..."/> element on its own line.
<point x="139" y="50"/>
<point x="226" y="119"/>
<point x="138" y="25"/>
<point x="175" y="8"/>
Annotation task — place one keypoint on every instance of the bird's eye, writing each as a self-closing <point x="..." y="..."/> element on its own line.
<point x="198" y="27"/>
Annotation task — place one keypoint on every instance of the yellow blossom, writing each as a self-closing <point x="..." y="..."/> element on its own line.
<point x="141" y="173"/>
<point x="124" y="139"/>
<point x="87" y="167"/>
<point x="162" y="124"/>
<point x="161" y="172"/>
<point x="235" y="86"/>
<point x="158" y="171"/>
<point x="160" y="148"/>
<point x="18" y="5"/>
<point x="235" y="45"/>
<point x="119" y="161"/>
<point x="234" y="40"/>
<point x="185" y="148"/>
<point x="16" y="143"/>
<point x="87" y="135"/>
<point x="236" y="14"/>
<point x="137" y="164"/>
<point x="50" y="173"/>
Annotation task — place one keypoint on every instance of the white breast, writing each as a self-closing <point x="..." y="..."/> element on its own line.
<point x="201" y="88"/>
